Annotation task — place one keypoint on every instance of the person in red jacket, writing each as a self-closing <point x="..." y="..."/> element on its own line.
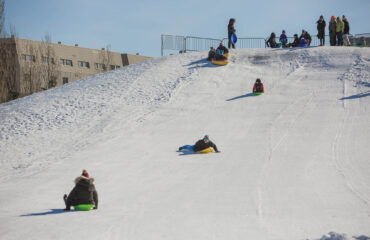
<point x="258" y="86"/>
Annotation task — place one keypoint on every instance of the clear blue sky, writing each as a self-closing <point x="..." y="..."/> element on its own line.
<point x="131" y="26"/>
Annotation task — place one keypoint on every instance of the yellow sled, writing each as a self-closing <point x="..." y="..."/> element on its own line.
<point x="220" y="62"/>
<point x="207" y="150"/>
<point x="227" y="55"/>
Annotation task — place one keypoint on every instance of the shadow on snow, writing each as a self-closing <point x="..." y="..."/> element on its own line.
<point x="242" y="96"/>
<point x="49" y="212"/>
<point x="360" y="95"/>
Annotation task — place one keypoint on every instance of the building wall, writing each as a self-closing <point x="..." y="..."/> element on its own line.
<point x="9" y="85"/>
<point x="42" y="65"/>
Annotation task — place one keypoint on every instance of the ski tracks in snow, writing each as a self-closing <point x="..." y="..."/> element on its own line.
<point x="354" y="80"/>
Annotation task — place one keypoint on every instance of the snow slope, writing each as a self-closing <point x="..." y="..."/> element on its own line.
<point x="295" y="161"/>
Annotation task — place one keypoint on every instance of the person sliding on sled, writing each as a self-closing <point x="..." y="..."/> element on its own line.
<point x="258" y="87"/>
<point x="211" y="54"/>
<point x="201" y="145"/>
<point x="83" y="193"/>
<point x="222" y="49"/>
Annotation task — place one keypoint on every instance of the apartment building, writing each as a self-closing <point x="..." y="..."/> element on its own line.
<point x="28" y="66"/>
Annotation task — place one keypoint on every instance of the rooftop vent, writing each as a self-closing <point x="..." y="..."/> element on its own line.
<point x="76" y="45"/>
<point x="59" y="42"/>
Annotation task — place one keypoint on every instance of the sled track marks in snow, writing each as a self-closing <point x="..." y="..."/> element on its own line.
<point x="301" y="103"/>
<point x="342" y="158"/>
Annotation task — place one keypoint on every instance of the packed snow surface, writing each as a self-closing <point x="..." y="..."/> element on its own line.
<point x="294" y="162"/>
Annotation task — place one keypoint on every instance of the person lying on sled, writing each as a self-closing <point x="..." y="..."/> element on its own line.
<point x="201" y="145"/>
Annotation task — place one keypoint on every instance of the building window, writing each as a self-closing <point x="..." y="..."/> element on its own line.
<point x="66" y="62"/>
<point x="69" y="62"/>
<point x="83" y="64"/>
<point x="112" y="67"/>
<point x="99" y="66"/>
<point x="28" y="58"/>
<point x="65" y="80"/>
<point x="47" y="60"/>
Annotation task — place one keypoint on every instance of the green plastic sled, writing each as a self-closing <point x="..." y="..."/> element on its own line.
<point x="84" y="207"/>
<point x="360" y="45"/>
<point x="257" y="93"/>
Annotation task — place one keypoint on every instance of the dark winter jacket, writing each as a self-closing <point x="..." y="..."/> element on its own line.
<point x="222" y="48"/>
<point x="295" y="42"/>
<point x="258" y="87"/>
<point x="271" y="42"/>
<point x="321" y="24"/>
<point x="306" y="36"/>
<point x="83" y="193"/>
<point x="211" y="55"/>
<point x="230" y="28"/>
<point x="346" y="26"/>
<point x="201" y="145"/>
<point x="332" y="26"/>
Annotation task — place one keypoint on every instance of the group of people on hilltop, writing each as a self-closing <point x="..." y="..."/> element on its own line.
<point x="339" y="31"/>
<point x="338" y="34"/>
<point x="302" y="41"/>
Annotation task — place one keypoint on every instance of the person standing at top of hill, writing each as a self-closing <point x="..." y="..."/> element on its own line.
<point x="306" y="36"/>
<point x="230" y="31"/>
<point x="321" y="24"/>
<point x="332" y="31"/>
<point x="339" y="31"/>
<point x="346" y="32"/>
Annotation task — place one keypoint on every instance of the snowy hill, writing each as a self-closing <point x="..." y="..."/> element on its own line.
<point x="295" y="161"/>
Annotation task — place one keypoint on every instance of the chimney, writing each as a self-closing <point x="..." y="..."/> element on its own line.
<point x="59" y="42"/>
<point x="102" y="48"/>
<point x="76" y="45"/>
<point x="137" y="54"/>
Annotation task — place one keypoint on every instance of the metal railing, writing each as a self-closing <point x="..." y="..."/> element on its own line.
<point x="184" y="44"/>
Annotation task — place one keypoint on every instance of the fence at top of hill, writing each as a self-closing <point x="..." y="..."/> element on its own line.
<point x="182" y="44"/>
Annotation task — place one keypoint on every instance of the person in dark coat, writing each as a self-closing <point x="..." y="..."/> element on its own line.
<point x="211" y="54"/>
<point x="258" y="87"/>
<point x="230" y="31"/>
<point x="346" y="31"/>
<point x="306" y="36"/>
<point x="333" y="31"/>
<point x="84" y="192"/>
<point x="222" y="49"/>
<point x="271" y="42"/>
<point x="321" y="24"/>
<point x="203" y="144"/>
<point x="295" y="43"/>
<point x="200" y="145"/>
